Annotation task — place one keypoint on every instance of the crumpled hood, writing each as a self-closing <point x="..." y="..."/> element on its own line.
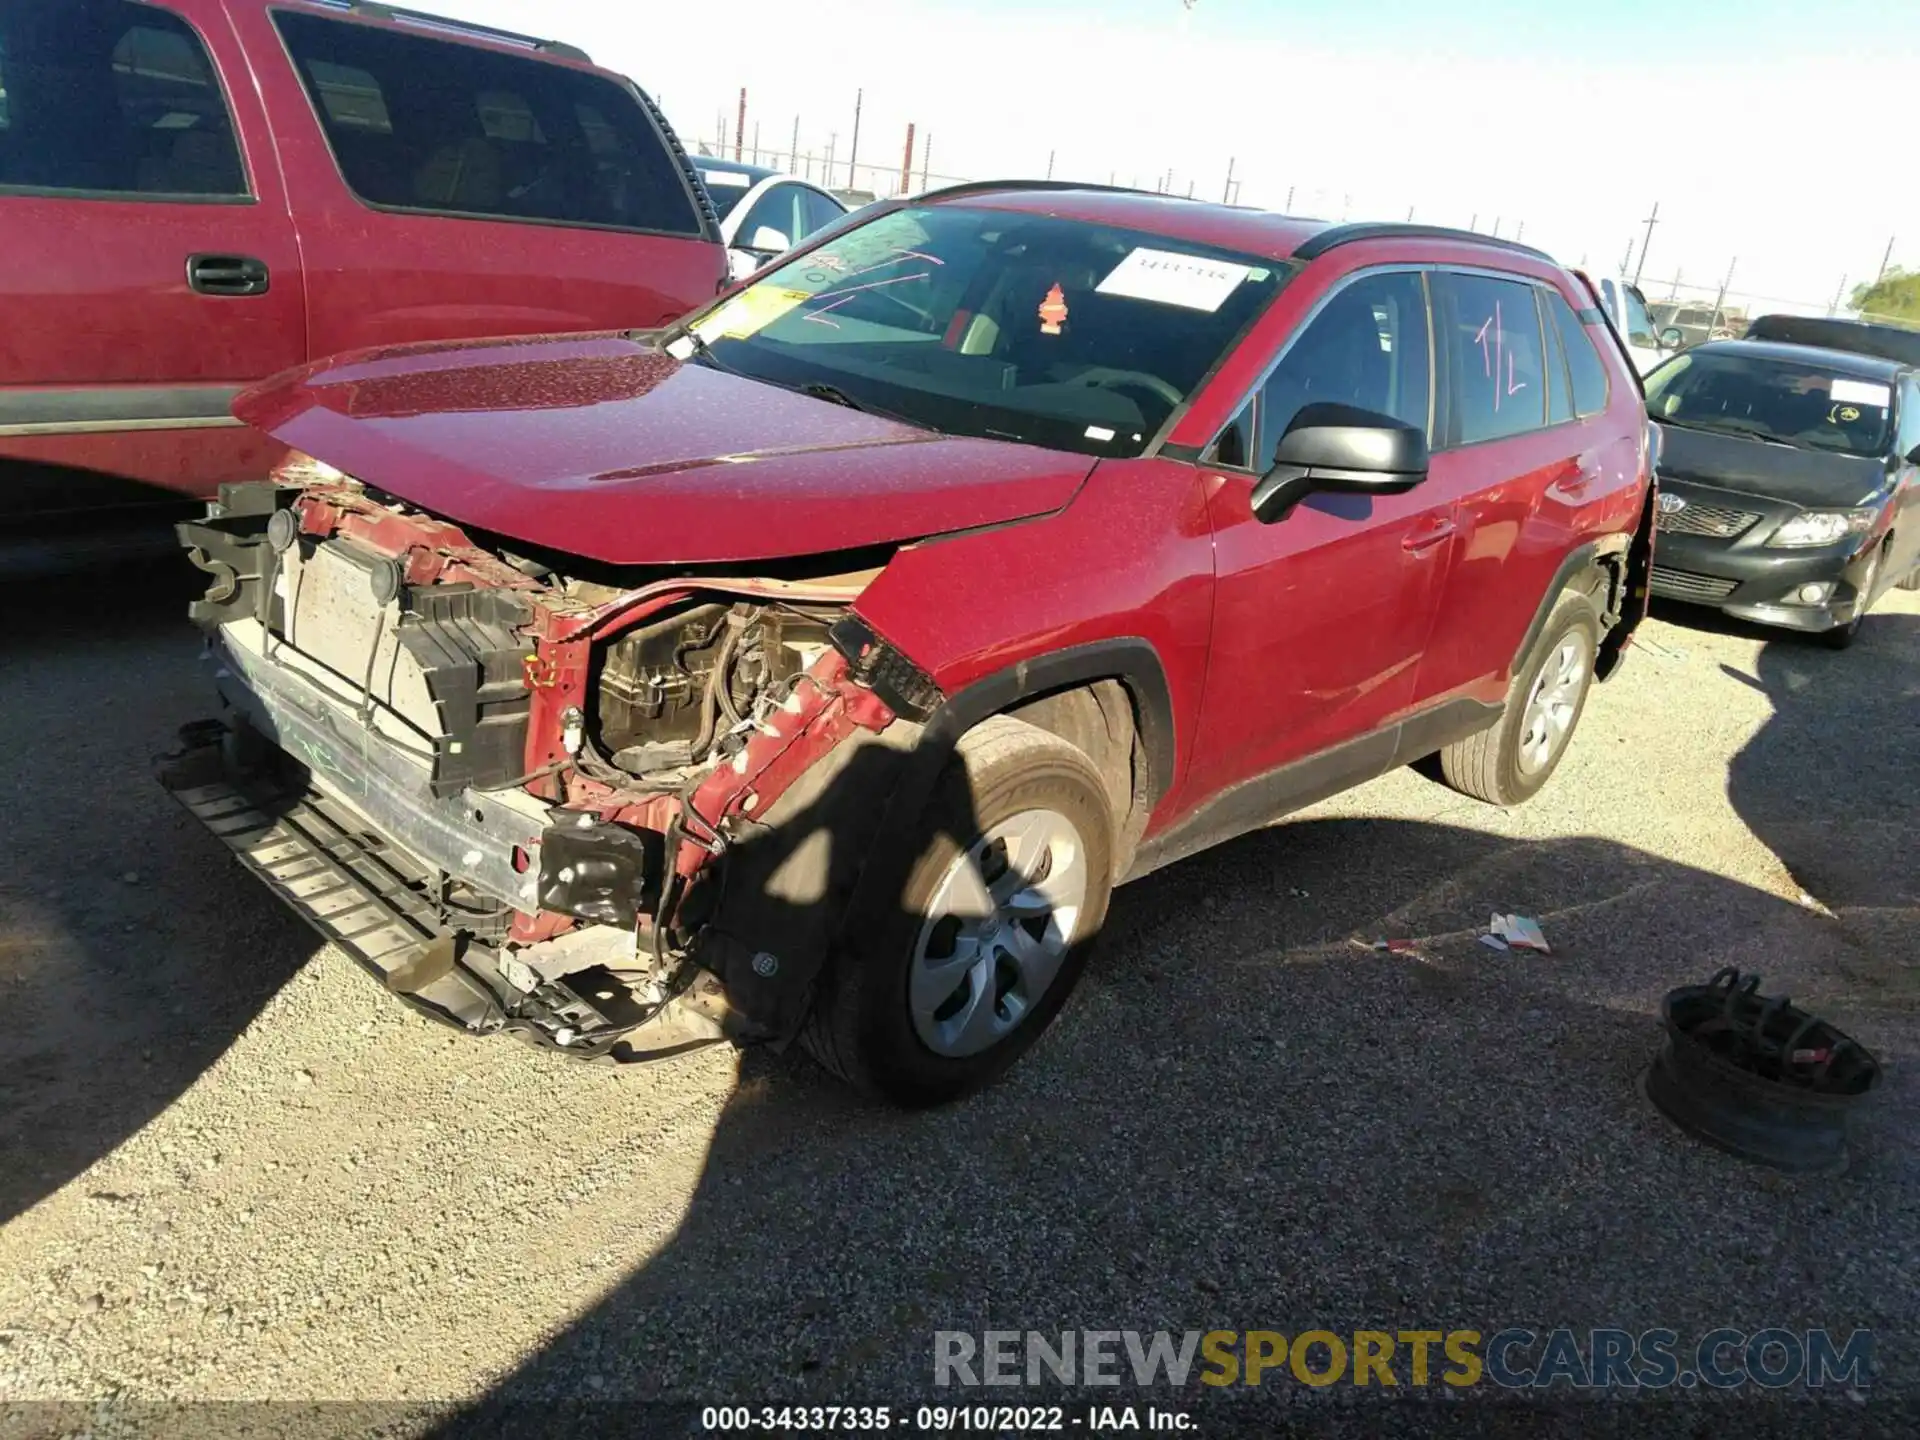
<point x="604" y="447"/>
<point x="1811" y="478"/>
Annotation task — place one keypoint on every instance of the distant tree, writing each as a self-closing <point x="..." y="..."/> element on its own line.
<point x="1895" y="296"/>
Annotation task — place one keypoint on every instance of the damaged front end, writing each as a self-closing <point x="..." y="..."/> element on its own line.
<point x="529" y="796"/>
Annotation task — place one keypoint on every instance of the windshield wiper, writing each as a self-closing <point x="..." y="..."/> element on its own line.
<point x="834" y="395"/>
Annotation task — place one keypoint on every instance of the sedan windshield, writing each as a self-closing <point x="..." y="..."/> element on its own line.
<point x="974" y="321"/>
<point x="1789" y="402"/>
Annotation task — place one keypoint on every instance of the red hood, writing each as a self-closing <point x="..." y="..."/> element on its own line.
<point x="603" y="447"/>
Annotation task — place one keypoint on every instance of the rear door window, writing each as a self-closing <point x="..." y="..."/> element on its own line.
<point x="1494" y="347"/>
<point x="110" y="98"/>
<point x="423" y="124"/>
<point x="1588" y="372"/>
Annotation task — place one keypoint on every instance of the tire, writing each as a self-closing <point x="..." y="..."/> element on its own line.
<point x="1491" y="765"/>
<point x="1841" y="637"/>
<point x="869" y="1024"/>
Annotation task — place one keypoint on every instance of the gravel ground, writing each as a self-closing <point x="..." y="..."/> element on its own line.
<point x="230" y="1168"/>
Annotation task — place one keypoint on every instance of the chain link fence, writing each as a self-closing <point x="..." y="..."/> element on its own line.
<point x="1693" y="303"/>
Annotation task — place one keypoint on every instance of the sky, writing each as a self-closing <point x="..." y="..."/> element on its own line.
<point x="1769" y="134"/>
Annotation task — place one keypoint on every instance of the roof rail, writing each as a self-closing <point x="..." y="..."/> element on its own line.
<point x="376" y="10"/>
<point x="1316" y="245"/>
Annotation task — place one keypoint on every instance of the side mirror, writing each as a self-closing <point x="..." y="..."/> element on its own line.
<point x="1913" y="456"/>
<point x="770" y="240"/>
<point x="1339" y="447"/>
<point x="1672" y="338"/>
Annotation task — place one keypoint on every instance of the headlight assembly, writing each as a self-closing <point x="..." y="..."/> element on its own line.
<point x="1822" y="527"/>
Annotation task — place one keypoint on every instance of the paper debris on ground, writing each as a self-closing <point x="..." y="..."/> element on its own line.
<point x="1520" y="930"/>
<point x="1493" y="942"/>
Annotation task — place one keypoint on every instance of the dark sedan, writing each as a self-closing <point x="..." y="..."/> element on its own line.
<point x="1790" y="482"/>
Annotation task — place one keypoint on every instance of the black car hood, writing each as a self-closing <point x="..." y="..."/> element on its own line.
<point x="1811" y="478"/>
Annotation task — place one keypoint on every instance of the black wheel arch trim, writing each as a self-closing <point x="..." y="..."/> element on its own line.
<point x="1582" y="557"/>
<point x="1128" y="659"/>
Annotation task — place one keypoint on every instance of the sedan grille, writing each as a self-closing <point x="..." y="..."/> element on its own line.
<point x="1713" y="520"/>
<point x="1684" y="585"/>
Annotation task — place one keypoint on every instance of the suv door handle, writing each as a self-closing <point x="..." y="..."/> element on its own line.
<point x="1429" y="535"/>
<point x="227" y="275"/>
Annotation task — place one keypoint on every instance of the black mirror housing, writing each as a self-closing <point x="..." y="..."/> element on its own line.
<point x="1340" y="447"/>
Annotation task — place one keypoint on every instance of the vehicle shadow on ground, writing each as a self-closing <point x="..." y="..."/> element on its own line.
<point x="1249" y="1118"/>
<point x="1832" y="786"/>
<point x="133" y="950"/>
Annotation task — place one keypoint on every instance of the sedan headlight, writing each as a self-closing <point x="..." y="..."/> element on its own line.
<point x="1823" y="527"/>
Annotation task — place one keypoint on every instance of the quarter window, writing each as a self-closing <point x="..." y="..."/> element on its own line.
<point x="1559" y="387"/>
<point x="1367" y="348"/>
<point x="1494" y="349"/>
<point x="418" y="123"/>
<point x="1583" y="361"/>
<point x="105" y="97"/>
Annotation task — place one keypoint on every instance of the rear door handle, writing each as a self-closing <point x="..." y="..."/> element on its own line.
<point x="1428" y="536"/>
<point x="227" y="275"/>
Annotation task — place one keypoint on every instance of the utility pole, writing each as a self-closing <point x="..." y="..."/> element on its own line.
<point x="793" y="156"/>
<point x="740" y="126"/>
<point x="1474" y="223"/>
<point x="1886" y="260"/>
<point x="1675" y="288"/>
<point x="906" y="164"/>
<point x="1627" y="258"/>
<point x="1496" y="227"/>
<point x="1834" y="308"/>
<point x="853" y="150"/>
<point x="1652" y="220"/>
<point x="1050" y="155"/>
<point x="1190" y="185"/>
<point x="1721" y="298"/>
<point x="826" y="170"/>
<point x="1409" y="214"/>
<point x="1520" y="232"/>
<point x="1290" y="190"/>
<point x="756" y="142"/>
<point x="926" y="158"/>
<point x="1227" y="193"/>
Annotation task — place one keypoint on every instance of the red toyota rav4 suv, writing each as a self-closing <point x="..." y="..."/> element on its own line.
<point x="817" y="667"/>
<point x="196" y="194"/>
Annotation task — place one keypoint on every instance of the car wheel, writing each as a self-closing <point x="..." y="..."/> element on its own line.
<point x="1509" y="762"/>
<point x="1841" y="637"/>
<point x="990" y="931"/>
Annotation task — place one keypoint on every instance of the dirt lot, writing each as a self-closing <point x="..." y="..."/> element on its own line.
<point x="231" y="1168"/>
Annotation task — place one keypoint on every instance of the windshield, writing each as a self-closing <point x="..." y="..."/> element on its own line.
<point x="726" y="188"/>
<point x="1790" y="402"/>
<point x="1055" y="332"/>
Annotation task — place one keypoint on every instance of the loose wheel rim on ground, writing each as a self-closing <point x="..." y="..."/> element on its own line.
<point x="998" y="926"/>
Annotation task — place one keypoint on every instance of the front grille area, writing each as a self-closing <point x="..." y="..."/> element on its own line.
<point x="1716" y="521"/>
<point x="1684" y="585"/>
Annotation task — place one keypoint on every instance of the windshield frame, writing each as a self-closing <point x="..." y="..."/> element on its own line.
<point x="684" y="339"/>
<point x="1670" y="370"/>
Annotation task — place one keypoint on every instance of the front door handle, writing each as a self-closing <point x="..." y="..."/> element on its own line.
<point x="1428" y="536"/>
<point x="227" y="275"/>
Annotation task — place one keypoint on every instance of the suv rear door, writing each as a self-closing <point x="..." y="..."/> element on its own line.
<point x="150" y="268"/>
<point x="1516" y="466"/>
<point x="453" y="186"/>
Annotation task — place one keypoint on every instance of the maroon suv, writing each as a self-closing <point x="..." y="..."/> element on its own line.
<point x="816" y="667"/>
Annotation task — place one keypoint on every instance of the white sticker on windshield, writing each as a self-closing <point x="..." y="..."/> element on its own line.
<point x="726" y="177"/>
<point x="1174" y="279"/>
<point x="1099" y="432"/>
<point x="1862" y="392"/>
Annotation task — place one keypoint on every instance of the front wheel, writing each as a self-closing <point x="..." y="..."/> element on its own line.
<point x="1508" y="763"/>
<point x="990" y="932"/>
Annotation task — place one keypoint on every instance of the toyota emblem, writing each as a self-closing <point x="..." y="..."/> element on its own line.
<point x="1670" y="504"/>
